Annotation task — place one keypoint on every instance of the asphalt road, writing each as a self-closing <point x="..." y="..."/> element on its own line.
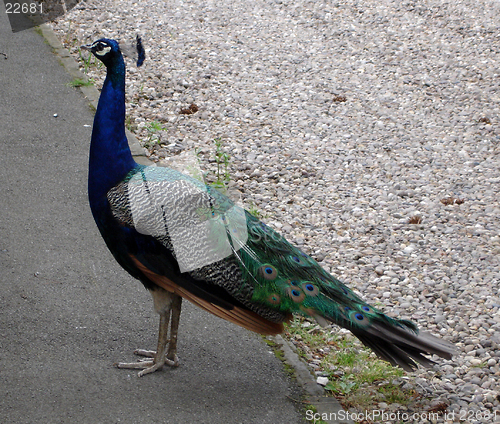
<point x="68" y="311"/>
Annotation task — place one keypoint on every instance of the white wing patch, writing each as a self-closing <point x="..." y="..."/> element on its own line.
<point x="201" y="231"/>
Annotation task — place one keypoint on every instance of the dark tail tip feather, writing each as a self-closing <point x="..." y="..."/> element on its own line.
<point x="140" y="51"/>
<point x="404" y="348"/>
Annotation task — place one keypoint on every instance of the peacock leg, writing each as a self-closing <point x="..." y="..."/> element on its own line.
<point x="172" y="358"/>
<point x="165" y="304"/>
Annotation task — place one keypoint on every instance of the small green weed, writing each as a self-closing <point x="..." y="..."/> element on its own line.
<point x="280" y="355"/>
<point x="222" y="162"/>
<point x="393" y="394"/>
<point x="68" y="32"/>
<point x="78" y="82"/>
<point x="342" y="386"/>
<point x="153" y="128"/>
<point x="130" y="124"/>
<point x="253" y="210"/>
<point x="89" y="61"/>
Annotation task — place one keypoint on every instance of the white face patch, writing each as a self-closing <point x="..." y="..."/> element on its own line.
<point x="103" y="51"/>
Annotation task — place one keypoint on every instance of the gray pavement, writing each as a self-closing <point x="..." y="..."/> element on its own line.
<point x="68" y="311"/>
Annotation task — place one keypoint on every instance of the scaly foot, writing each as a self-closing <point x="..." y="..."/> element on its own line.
<point x="147" y="365"/>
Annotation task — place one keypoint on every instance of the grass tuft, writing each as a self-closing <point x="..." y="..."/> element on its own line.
<point x="153" y="129"/>
<point x="222" y="161"/>
<point x="78" y="82"/>
<point x="357" y="378"/>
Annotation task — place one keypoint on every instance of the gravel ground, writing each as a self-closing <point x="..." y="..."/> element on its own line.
<point x="344" y="121"/>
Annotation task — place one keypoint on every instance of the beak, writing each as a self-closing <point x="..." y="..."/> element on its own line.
<point x="86" y="47"/>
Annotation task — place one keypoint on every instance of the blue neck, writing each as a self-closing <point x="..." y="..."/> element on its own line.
<point x="110" y="157"/>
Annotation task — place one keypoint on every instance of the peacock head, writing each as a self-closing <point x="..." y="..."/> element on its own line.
<point x="104" y="49"/>
<point x="108" y="50"/>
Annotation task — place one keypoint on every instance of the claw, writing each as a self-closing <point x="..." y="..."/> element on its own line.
<point x="146" y="353"/>
<point x="147" y="365"/>
<point x="172" y="362"/>
<point x="139" y="365"/>
<point x="149" y="370"/>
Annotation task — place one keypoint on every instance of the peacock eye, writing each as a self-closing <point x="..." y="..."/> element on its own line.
<point x="101" y="49"/>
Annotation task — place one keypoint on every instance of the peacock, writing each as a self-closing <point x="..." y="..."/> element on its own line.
<point x="184" y="239"/>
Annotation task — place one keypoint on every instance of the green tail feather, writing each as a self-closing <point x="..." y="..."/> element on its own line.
<point x="287" y="280"/>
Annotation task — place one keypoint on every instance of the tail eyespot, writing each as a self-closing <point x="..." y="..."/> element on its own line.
<point x="274" y="299"/>
<point x="299" y="260"/>
<point x="295" y="294"/>
<point x="268" y="272"/>
<point x="310" y="289"/>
